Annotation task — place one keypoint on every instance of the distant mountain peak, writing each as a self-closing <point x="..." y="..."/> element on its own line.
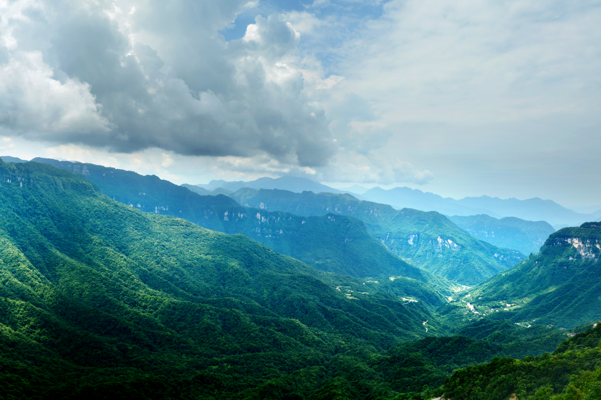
<point x="291" y="183"/>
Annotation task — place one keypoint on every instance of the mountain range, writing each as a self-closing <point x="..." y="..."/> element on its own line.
<point x="159" y="303"/>
<point x="290" y="183"/>
<point x="108" y="299"/>
<point x="534" y="209"/>
<point x="510" y="232"/>
<point x="337" y="242"/>
<point x="426" y="239"/>
<point x="330" y="243"/>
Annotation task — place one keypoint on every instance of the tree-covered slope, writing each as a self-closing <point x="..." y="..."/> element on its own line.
<point x="509" y="232"/>
<point x="426" y="239"/>
<point x="100" y="300"/>
<point x="572" y="372"/>
<point x="559" y="286"/>
<point x="412" y="366"/>
<point x="330" y="243"/>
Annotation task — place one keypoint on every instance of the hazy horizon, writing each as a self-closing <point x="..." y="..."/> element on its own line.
<point x="457" y="99"/>
<point x="582" y="209"/>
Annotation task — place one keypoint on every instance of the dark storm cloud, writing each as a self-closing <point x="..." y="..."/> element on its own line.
<point x="139" y="75"/>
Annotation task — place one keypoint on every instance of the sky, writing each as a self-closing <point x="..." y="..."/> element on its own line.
<point x="459" y="98"/>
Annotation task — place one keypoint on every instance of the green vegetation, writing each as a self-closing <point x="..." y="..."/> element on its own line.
<point x="559" y="286"/>
<point x="572" y="372"/>
<point x="426" y="239"/>
<point x="332" y="243"/>
<point x="510" y="232"/>
<point x="98" y="298"/>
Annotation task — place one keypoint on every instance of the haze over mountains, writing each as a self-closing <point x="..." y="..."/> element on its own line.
<point x="291" y="183"/>
<point x="534" y="209"/>
<point x="510" y="232"/>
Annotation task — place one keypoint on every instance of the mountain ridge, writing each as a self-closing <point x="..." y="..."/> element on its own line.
<point x="290" y="183"/>
<point x="426" y="239"/>
<point x="101" y="300"/>
<point x="338" y="244"/>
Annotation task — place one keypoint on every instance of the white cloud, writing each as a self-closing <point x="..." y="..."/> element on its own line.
<point x="360" y="168"/>
<point x="473" y="63"/>
<point x="167" y="160"/>
<point x="303" y="21"/>
<point x="453" y="85"/>
<point x="73" y="152"/>
<point x="6" y="143"/>
<point x="486" y="92"/>
<point x="32" y="102"/>
<point x="99" y="75"/>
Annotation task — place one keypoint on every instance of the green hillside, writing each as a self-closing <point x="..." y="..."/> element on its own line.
<point x="98" y="299"/>
<point x="330" y="243"/>
<point x="510" y="232"/>
<point x="572" y="372"/>
<point x="558" y="286"/>
<point x="426" y="239"/>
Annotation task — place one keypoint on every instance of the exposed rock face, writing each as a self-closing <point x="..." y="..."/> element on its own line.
<point x="588" y="248"/>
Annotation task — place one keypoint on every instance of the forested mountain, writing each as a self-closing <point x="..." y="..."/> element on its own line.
<point x="571" y="372"/>
<point x="509" y="232"/>
<point x="426" y="239"/>
<point x="98" y="298"/>
<point x="332" y="243"/>
<point x="558" y="286"/>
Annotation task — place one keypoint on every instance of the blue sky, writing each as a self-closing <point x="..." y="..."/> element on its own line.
<point x="460" y="98"/>
<point x="351" y="10"/>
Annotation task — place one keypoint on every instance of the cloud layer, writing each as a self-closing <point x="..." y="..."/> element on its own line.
<point x="132" y="75"/>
